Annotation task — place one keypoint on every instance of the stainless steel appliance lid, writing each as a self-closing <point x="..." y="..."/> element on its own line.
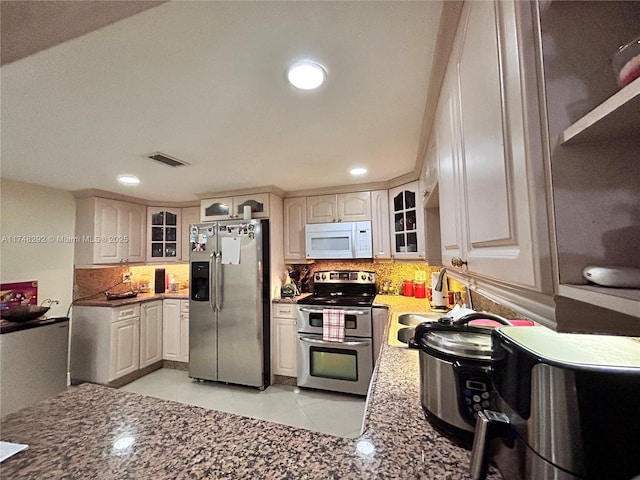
<point x="460" y="343"/>
<point x="575" y="349"/>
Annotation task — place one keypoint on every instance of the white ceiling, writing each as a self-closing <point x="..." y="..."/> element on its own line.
<point x="204" y="82"/>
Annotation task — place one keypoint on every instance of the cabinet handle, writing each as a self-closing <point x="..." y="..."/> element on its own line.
<point x="458" y="262"/>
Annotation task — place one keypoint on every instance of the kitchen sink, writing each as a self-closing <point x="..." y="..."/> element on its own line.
<point x="413" y="319"/>
<point x="403" y="325"/>
<point x="405" y="334"/>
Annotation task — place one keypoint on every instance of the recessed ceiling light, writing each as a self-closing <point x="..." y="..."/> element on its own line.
<point x="306" y="74"/>
<point x="358" y="171"/>
<point x="128" y="179"/>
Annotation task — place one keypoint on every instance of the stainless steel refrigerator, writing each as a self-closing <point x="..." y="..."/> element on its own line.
<point x="229" y="315"/>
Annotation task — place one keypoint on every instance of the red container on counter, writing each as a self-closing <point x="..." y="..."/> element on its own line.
<point x="407" y="289"/>
<point x="420" y="290"/>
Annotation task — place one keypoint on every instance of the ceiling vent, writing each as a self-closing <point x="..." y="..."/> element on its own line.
<point x="166" y="159"/>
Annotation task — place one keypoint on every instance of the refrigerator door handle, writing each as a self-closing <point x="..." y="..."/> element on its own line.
<point x="211" y="268"/>
<point x="218" y="262"/>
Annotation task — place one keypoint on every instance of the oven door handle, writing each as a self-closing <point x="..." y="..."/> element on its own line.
<point x="326" y="342"/>
<point x="319" y="310"/>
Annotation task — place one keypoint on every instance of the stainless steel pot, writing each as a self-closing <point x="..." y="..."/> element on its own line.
<point x="455" y="380"/>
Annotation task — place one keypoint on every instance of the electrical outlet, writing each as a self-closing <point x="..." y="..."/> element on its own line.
<point x="126" y="277"/>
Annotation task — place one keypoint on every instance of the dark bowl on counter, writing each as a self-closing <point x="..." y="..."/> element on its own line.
<point x="23" y="313"/>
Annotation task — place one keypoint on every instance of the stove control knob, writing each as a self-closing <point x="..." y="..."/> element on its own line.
<point x="324" y="276"/>
<point x="364" y="277"/>
<point x="317" y="277"/>
<point x="370" y="278"/>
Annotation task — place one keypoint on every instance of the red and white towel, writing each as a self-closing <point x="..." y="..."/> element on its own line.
<point x="333" y="325"/>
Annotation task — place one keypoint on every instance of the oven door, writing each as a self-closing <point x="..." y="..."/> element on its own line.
<point x="336" y="366"/>
<point x="357" y="320"/>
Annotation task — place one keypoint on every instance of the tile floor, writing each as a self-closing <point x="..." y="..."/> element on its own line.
<point x="326" y="412"/>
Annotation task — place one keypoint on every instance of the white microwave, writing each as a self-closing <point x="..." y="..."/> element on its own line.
<point x="339" y="240"/>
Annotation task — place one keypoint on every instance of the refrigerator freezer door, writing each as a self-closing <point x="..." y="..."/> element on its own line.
<point x="240" y="322"/>
<point x="203" y="338"/>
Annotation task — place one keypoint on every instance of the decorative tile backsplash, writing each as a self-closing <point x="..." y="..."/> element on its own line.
<point x="93" y="282"/>
<point x="395" y="273"/>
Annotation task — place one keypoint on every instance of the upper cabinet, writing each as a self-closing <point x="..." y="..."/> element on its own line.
<point x="295" y="218"/>
<point x="380" y="224"/>
<point x="493" y="210"/>
<point x="164" y="234"/>
<point x="592" y="127"/>
<point x="407" y="221"/>
<point x="343" y="207"/>
<point x="190" y="216"/>
<point x="109" y="231"/>
<point x="225" y="208"/>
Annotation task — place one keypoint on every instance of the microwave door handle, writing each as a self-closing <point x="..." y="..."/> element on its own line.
<point x="324" y="342"/>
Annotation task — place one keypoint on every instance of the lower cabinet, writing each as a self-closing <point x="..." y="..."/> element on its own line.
<point x="125" y="348"/>
<point x="108" y="343"/>
<point x="175" y="323"/>
<point x="285" y="339"/>
<point x="150" y="333"/>
<point x="380" y="319"/>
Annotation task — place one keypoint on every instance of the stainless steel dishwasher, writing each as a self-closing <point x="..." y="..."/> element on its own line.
<point x="33" y="362"/>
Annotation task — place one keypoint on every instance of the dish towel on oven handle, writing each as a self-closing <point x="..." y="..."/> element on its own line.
<point x="332" y="325"/>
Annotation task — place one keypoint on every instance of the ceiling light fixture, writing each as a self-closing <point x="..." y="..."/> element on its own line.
<point x="306" y="74"/>
<point x="128" y="179"/>
<point x="358" y="171"/>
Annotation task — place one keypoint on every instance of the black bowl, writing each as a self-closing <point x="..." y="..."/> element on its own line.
<point x="23" y="313"/>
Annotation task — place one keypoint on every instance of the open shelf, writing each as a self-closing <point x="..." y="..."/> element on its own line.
<point x="618" y="116"/>
<point x="622" y="300"/>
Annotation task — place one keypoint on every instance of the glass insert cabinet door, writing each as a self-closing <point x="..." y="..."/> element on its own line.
<point x="405" y="231"/>
<point x="163" y="234"/>
<point x="406" y="221"/>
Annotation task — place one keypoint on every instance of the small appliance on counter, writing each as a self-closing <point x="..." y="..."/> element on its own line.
<point x="439" y="290"/>
<point x="455" y="379"/>
<point x="566" y="407"/>
<point x="160" y="281"/>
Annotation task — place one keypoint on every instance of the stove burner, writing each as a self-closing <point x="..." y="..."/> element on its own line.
<point x="342" y="287"/>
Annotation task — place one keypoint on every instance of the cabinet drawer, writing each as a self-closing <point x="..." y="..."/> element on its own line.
<point x="129" y="311"/>
<point x="285" y="310"/>
<point x="184" y="306"/>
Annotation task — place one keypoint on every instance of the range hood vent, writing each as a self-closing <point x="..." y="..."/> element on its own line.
<point x="166" y="159"/>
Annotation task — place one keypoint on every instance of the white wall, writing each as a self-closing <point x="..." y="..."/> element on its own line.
<point x="32" y="210"/>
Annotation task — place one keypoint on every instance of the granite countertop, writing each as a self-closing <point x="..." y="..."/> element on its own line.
<point x="101" y="301"/>
<point x="7" y="327"/>
<point x="78" y="434"/>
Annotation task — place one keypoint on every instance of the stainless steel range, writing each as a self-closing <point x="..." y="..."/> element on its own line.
<point x="339" y="366"/>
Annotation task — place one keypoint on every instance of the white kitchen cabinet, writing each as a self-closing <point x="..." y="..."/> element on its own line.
<point x="295" y="218"/>
<point x="493" y="210"/>
<point x="183" y="356"/>
<point x="105" y="343"/>
<point x="175" y="321"/>
<point x="380" y="224"/>
<point x="593" y="142"/>
<point x="407" y="222"/>
<point x="341" y="207"/>
<point x="164" y="239"/>
<point x="150" y="333"/>
<point x="190" y="216"/>
<point x="225" y="208"/>
<point x="380" y="319"/>
<point x="431" y="204"/>
<point x="125" y="348"/>
<point x="109" y="231"/>
<point x="285" y="340"/>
